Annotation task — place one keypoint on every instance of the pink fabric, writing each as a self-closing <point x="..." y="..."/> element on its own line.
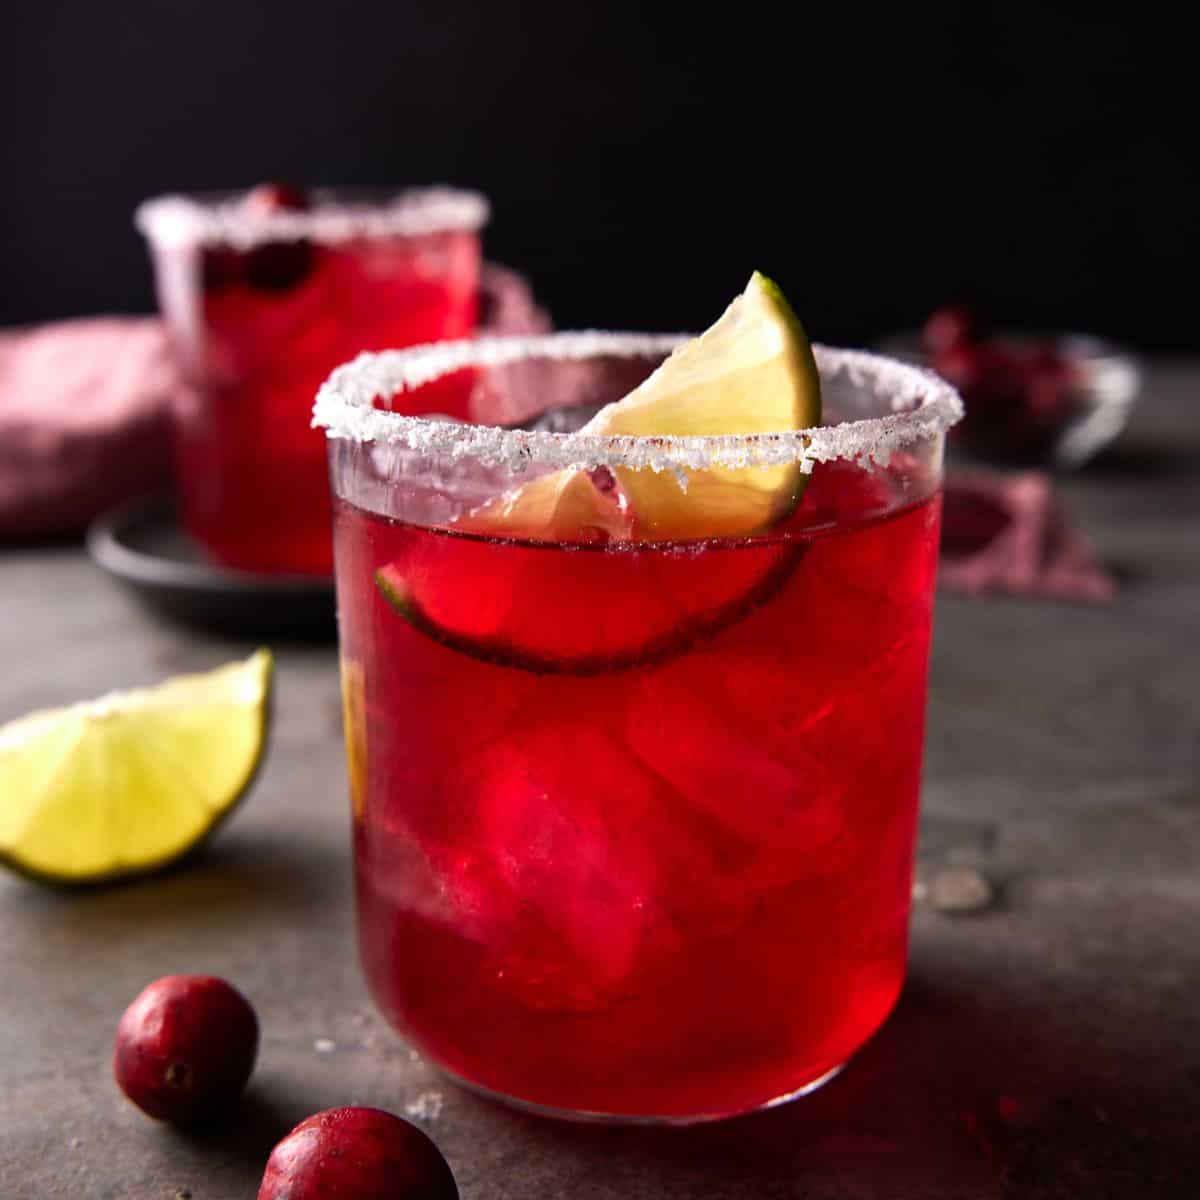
<point x="1009" y="532"/>
<point x="82" y="421"/>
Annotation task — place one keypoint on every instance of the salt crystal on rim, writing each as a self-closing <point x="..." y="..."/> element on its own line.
<point x="335" y="217"/>
<point x="923" y="405"/>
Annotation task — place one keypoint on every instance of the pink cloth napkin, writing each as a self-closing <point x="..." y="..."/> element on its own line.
<point x="1010" y="532"/>
<point x="83" y="421"/>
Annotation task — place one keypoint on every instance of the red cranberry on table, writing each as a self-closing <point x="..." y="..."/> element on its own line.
<point x="356" y="1154"/>
<point x="277" y="266"/>
<point x="185" y="1048"/>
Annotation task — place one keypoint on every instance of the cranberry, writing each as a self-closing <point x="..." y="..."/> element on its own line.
<point x="220" y="266"/>
<point x="270" y="198"/>
<point x="1047" y="384"/>
<point x="989" y="378"/>
<point x="185" y="1047"/>
<point x="356" y="1154"/>
<point x="1019" y="393"/>
<point x="978" y="370"/>
<point x="277" y="266"/>
<point x="949" y="326"/>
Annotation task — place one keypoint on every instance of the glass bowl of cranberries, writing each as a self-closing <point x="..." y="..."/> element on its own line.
<point x="1038" y="399"/>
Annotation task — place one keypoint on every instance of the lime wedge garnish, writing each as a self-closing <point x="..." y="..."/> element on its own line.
<point x="126" y="783"/>
<point x="751" y="372"/>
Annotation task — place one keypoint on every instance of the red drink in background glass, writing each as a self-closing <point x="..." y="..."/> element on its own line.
<point x="264" y="295"/>
<point x="634" y="823"/>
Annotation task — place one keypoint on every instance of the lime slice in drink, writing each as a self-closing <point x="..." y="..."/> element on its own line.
<point x="526" y="607"/>
<point x="565" y="506"/>
<point x="354" y="725"/>
<point x="128" y="782"/>
<point x="751" y="372"/>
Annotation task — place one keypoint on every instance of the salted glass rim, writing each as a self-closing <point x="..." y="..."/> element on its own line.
<point x="922" y="406"/>
<point x="338" y="214"/>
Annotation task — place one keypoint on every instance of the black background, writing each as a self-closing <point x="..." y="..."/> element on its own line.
<point x="641" y="159"/>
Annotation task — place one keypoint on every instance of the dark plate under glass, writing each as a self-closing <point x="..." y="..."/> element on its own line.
<point x="144" y="547"/>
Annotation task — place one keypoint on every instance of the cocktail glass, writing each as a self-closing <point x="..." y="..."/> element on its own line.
<point x="264" y="294"/>
<point x="633" y="822"/>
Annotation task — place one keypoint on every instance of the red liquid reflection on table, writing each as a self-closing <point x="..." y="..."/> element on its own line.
<point x="259" y="323"/>
<point x="665" y="885"/>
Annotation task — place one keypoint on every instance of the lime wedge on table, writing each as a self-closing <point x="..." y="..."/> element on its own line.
<point x="751" y="372"/>
<point x="126" y="783"/>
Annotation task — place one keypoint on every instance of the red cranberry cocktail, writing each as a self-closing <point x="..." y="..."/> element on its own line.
<point x="264" y="294"/>
<point x="634" y="818"/>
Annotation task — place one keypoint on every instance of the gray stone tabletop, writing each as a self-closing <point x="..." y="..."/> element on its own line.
<point x="1047" y="1043"/>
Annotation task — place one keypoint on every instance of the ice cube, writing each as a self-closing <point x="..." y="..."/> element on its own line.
<point x="764" y="805"/>
<point x="560" y="891"/>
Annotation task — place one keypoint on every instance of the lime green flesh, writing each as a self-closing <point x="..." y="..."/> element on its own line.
<point x="127" y="783"/>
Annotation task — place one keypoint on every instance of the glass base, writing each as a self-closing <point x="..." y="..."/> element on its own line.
<point x="603" y="1118"/>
